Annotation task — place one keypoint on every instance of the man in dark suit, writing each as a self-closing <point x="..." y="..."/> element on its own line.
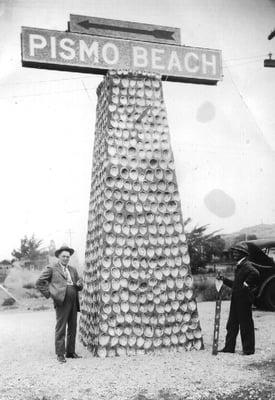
<point x="61" y="282"/>
<point x="240" y="314"/>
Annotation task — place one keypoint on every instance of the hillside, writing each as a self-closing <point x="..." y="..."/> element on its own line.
<point x="261" y="231"/>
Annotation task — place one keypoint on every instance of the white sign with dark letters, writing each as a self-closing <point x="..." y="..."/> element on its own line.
<point x="88" y="53"/>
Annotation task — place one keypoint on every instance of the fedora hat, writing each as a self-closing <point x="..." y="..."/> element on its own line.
<point x="63" y="248"/>
<point x="241" y="248"/>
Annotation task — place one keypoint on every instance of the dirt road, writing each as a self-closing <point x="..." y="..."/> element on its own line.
<point x="29" y="370"/>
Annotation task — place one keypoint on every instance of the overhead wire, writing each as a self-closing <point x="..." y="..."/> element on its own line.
<point x="48" y="93"/>
<point x="88" y="94"/>
<point x="48" y="80"/>
<point x="244" y="58"/>
<point x="252" y="58"/>
<point x="226" y="64"/>
<point x="245" y="103"/>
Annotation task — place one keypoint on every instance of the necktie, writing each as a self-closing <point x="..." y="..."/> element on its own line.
<point x="67" y="275"/>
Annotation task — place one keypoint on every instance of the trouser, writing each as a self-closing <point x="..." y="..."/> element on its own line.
<point x="66" y="314"/>
<point x="240" y="317"/>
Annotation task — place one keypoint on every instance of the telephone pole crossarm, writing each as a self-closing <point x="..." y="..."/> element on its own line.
<point x="269" y="62"/>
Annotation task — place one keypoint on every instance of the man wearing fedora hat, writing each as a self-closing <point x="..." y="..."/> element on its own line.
<point x="61" y="282"/>
<point x="240" y="314"/>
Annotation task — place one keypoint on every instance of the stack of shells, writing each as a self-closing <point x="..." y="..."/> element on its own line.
<point x="138" y="291"/>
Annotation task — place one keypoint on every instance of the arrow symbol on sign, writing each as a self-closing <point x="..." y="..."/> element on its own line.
<point x="157" y="33"/>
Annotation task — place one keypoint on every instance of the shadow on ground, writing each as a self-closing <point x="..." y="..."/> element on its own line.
<point x="266" y="368"/>
<point x="265" y="392"/>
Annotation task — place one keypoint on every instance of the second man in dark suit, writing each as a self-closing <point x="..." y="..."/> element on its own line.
<point x="240" y="314"/>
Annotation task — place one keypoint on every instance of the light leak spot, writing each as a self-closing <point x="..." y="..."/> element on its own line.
<point x="206" y="112"/>
<point x="220" y="203"/>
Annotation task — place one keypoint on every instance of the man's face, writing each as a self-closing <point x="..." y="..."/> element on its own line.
<point x="64" y="257"/>
<point x="237" y="255"/>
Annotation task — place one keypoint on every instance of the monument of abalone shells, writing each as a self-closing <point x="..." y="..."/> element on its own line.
<point x="138" y="291"/>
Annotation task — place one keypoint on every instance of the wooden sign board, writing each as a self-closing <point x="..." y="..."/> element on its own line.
<point x="124" y="29"/>
<point x="95" y="54"/>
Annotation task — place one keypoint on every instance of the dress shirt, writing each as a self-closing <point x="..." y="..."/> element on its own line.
<point x="67" y="274"/>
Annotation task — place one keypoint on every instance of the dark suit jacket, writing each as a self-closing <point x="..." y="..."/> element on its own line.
<point x="244" y="273"/>
<point x="52" y="283"/>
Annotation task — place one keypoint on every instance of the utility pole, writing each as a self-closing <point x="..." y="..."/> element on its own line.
<point x="70" y="236"/>
<point x="70" y="232"/>
<point x="270" y="62"/>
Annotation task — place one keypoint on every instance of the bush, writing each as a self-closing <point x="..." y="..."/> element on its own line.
<point x="205" y="290"/>
<point x="41" y="308"/>
<point x="210" y="293"/>
<point x="8" y="302"/>
<point x="211" y="271"/>
<point x="20" y="279"/>
<point x="33" y="294"/>
<point x="201" y="271"/>
<point x="229" y="268"/>
<point x="29" y="285"/>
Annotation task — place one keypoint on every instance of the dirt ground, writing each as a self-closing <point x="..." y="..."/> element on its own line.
<point x="29" y="370"/>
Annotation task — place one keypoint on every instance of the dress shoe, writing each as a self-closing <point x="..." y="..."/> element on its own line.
<point x="225" y="351"/>
<point x="61" y="359"/>
<point x="72" y="355"/>
<point x="248" y="353"/>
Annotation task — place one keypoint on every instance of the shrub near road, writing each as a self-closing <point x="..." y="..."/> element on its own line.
<point x="205" y="290"/>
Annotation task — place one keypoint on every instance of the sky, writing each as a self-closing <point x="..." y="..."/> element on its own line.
<point x="222" y="136"/>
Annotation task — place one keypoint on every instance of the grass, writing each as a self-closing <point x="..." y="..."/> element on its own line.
<point x="162" y="395"/>
<point x="8" y="302"/>
<point x="33" y="294"/>
<point x="29" y="285"/>
<point x="41" y="308"/>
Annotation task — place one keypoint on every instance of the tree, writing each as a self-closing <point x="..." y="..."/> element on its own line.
<point x="202" y="246"/>
<point x="29" y="248"/>
<point x="52" y="248"/>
